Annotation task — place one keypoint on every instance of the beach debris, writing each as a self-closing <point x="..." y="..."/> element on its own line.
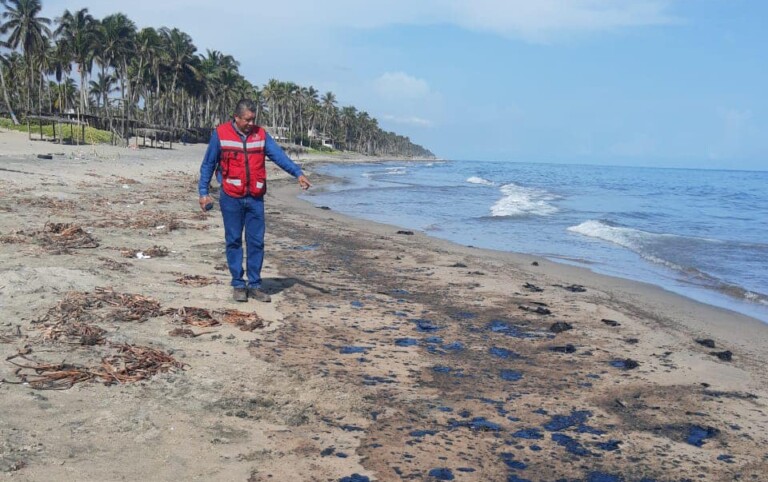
<point x="535" y="263"/>
<point x="539" y="309"/>
<point x="625" y="364"/>
<point x="425" y="326"/>
<point x="56" y="238"/>
<point x="458" y="265"/>
<point x="324" y="208"/>
<point x="510" y="375"/>
<point x="532" y="288"/>
<point x="501" y="326"/>
<point x="572" y="288"/>
<point x="48" y="203"/>
<point x="529" y="434"/>
<point x="632" y="341"/>
<point x="130" y="364"/>
<point x="103" y="304"/>
<point x="45" y="156"/>
<point x="569" y="348"/>
<point x="560" y="326"/>
<point x="113" y="265"/>
<point x="195" y="316"/>
<point x="707" y="342"/>
<point x="610" y="322"/>
<point x="205" y="318"/>
<point x="441" y="474"/>
<point x="153" y="252"/>
<point x="187" y="333"/>
<point x="196" y="280"/>
<point x="350" y="350"/>
<point x="502" y="353"/>
<point x="244" y="321"/>
<point x="406" y="233"/>
<point x="82" y="333"/>
<point x="143" y="220"/>
<point x="726" y="355"/>
<point x="355" y="478"/>
<point x="405" y="342"/>
<point x="697" y="435"/>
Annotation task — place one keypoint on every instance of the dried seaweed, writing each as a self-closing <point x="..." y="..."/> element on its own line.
<point x="245" y="321"/>
<point x="104" y="304"/>
<point x="57" y="238"/>
<point x="196" y="280"/>
<point x="195" y="316"/>
<point x="130" y="364"/>
<point x="81" y="333"/>
<point x="205" y="318"/>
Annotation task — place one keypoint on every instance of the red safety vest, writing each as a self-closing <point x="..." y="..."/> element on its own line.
<point x="242" y="162"/>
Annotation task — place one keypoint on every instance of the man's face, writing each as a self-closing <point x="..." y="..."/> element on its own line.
<point x="245" y="121"/>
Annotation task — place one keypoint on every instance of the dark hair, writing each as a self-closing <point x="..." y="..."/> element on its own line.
<point x="244" y="105"/>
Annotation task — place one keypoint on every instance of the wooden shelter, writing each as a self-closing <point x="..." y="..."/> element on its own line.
<point x="55" y="121"/>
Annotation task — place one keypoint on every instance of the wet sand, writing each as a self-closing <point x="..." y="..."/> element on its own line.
<point x="388" y="355"/>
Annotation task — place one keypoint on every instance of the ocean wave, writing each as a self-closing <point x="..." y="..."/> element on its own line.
<point x="480" y="180"/>
<point x="648" y="245"/>
<point x="523" y="201"/>
<point x="389" y="171"/>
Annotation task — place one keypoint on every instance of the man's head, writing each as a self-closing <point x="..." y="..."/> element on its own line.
<point x="245" y="115"/>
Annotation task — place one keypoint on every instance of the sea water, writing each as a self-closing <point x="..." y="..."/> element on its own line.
<point x="699" y="233"/>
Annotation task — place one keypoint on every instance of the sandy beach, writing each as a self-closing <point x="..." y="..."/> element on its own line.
<point x="384" y="355"/>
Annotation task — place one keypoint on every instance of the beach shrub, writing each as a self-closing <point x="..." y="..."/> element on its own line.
<point x="92" y="135"/>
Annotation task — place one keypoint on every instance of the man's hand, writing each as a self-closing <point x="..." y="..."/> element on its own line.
<point x="304" y="182"/>
<point x="204" y="200"/>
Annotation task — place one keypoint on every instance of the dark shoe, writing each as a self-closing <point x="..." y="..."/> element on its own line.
<point x="240" y="294"/>
<point x="259" y="295"/>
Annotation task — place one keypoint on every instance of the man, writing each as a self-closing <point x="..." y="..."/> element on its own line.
<point x="237" y="152"/>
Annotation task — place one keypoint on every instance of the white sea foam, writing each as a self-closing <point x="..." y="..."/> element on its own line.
<point x="390" y="171"/>
<point x="523" y="201"/>
<point x="626" y="237"/>
<point x="480" y="180"/>
<point x="641" y="242"/>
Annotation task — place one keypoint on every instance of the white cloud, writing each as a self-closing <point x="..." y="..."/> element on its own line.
<point x="412" y="120"/>
<point x="401" y="86"/>
<point x="533" y="20"/>
<point x="544" y="20"/>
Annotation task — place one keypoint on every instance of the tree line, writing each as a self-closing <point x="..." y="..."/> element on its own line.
<point x="109" y="68"/>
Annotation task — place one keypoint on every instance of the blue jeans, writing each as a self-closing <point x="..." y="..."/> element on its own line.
<point x="246" y="213"/>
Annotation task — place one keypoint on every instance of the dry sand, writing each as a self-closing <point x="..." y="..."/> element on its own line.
<point x="387" y="355"/>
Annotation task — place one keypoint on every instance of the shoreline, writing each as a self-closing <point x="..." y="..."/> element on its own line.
<point x="706" y="318"/>
<point x="706" y="295"/>
<point x="387" y="355"/>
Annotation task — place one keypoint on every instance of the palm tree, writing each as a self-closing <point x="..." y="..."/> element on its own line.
<point x="6" y="62"/>
<point x="27" y="30"/>
<point x="180" y="54"/>
<point x="146" y="67"/>
<point x="118" y="34"/>
<point x="78" y="30"/>
<point x="329" y="108"/>
<point x="101" y="88"/>
<point x="60" y="67"/>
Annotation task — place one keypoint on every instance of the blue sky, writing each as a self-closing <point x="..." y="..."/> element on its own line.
<point x="679" y="83"/>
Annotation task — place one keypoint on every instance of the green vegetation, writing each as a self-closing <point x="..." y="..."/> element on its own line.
<point x="111" y="69"/>
<point x="73" y="134"/>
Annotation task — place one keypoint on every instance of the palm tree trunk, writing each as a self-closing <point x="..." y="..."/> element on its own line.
<point x="5" y="97"/>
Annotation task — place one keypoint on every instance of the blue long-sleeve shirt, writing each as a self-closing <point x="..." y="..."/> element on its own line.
<point x="211" y="161"/>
